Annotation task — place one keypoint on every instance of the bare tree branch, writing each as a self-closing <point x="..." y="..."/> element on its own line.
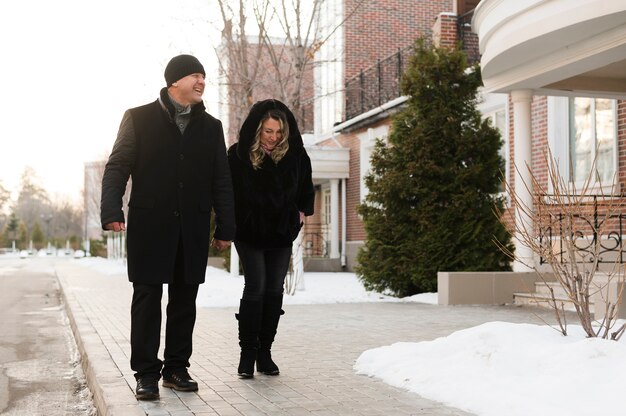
<point x="558" y="229"/>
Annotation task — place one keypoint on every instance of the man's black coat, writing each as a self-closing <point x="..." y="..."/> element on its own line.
<point x="177" y="179"/>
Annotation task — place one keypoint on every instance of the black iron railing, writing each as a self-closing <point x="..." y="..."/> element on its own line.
<point x="314" y="241"/>
<point x="595" y="230"/>
<point x="377" y="84"/>
<point x="380" y="83"/>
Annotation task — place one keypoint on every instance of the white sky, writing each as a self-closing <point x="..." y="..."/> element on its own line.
<point x="71" y="67"/>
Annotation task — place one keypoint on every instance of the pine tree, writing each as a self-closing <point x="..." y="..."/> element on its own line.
<point x="37" y="236"/>
<point x="434" y="185"/>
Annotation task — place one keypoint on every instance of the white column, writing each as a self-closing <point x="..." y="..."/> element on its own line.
<point x="334" y="218"/>
<point x="523" y="185"/>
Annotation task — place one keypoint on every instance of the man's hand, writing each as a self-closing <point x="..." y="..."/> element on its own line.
<point x="115" y="226"/>
<point x="220" y="244"/>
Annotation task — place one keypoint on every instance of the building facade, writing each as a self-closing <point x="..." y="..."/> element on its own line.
<point x="562" y="67"/>
<point x="357" y="91"/>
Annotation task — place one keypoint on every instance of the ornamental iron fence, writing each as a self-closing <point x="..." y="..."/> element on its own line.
<point x="596" y="230"/>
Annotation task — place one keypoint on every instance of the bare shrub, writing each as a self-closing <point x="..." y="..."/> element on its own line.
<point x="575" y="232"/>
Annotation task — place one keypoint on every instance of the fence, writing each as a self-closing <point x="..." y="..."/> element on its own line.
<point x="376" y="85"/>
<point x="380" y="83"/>
<point x="315" y="241"/>
<point x="596" y="230"/>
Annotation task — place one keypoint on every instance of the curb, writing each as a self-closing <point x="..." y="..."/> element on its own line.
<point x="112" y="395"/>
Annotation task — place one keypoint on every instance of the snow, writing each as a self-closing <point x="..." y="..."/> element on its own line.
<point x="506" y="369"/>
<point x="220" y="289"/>
<point x="494" y="369"/>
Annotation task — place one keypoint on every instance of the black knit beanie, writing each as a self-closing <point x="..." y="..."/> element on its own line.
<point x="180" y="66"/>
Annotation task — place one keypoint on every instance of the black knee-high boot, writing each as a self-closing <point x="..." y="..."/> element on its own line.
<point x="271" y="315"/>
<point x="249" y="318"/>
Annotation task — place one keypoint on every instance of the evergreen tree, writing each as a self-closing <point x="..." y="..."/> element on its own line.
<point x="434" y="185"/>
<point x="12" y="227"/>
<point x="37" y="236"/>
<point x="22" y="239"/>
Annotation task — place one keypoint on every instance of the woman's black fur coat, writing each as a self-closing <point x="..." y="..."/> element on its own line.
<point x="268" y="200"/>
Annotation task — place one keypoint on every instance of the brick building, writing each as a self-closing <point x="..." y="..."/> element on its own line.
<point x="357" y="91"/>
<point x="574" y="110"/>
<point x="559" y="70"/>
<point x="265" y="76"/>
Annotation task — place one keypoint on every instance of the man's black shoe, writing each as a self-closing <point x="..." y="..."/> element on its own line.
<point x="180" y="381"/>
<point x="147" y="389"/>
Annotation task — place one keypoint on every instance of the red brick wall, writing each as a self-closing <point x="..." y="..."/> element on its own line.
<point x="379" y="28"/>
<point x="446" y="31"/>
<point x="539" y="133"/>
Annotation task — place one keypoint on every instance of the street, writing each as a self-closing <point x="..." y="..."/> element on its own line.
<point x="39" y="362"/>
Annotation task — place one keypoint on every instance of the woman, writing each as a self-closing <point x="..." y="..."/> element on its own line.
<point x="274" y="191"/>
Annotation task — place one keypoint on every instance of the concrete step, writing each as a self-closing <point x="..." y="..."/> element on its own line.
<point x="543" y="288"/>
<point x="542" y="300"/>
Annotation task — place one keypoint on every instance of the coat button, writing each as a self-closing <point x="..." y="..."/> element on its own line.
<point x="176" y="213"/>
<point x="180" y="185"/>
<point x="181" y="156"/>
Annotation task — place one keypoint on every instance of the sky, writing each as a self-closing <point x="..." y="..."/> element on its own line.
<point x="493" y="369"/>
<point x="70" y="68"/>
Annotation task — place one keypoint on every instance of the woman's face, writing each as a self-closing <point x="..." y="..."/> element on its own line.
<point x="271" y="134"/>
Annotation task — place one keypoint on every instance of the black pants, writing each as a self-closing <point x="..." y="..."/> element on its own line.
<point x="145" y="328"/>
<point x="264" y="270"/>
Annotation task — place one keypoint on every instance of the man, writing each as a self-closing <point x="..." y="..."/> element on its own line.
<point x="175" y="155"/>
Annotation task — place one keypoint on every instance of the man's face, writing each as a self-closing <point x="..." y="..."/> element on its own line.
<point x="189" y="89"/>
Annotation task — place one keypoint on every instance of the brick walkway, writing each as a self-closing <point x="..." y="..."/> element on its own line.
<point x="315" y="348"/>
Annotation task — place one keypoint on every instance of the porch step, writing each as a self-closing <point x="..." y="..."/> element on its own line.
<point x="542" y="298"/>
<point x="543" y="288"/>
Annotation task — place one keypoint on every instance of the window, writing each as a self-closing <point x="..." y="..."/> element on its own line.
<point x="592" y="137"/>
<point x="581" y="130"/>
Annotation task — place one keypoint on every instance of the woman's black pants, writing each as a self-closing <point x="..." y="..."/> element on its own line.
<point x="264" y="270"/>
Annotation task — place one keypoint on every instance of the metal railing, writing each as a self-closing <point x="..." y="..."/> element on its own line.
<point x="314" y="241"/>
<point x="377" y="84"/>
<point x="596" y="231"/>
<point x="380" y="83"/>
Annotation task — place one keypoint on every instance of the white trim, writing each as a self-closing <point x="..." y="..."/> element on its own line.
<point x="558" y="133"/>
<point x="367" y="142"/>
<point x="534" y="44"/>
<point x="390" y="104"/>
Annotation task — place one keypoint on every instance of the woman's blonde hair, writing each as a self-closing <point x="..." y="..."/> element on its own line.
<point x="256" y="151"/>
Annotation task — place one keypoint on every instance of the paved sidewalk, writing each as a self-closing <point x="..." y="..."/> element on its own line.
<point x="315" y="348"/>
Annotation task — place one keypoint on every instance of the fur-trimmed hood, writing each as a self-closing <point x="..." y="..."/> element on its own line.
<point x="250" y="124"/>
